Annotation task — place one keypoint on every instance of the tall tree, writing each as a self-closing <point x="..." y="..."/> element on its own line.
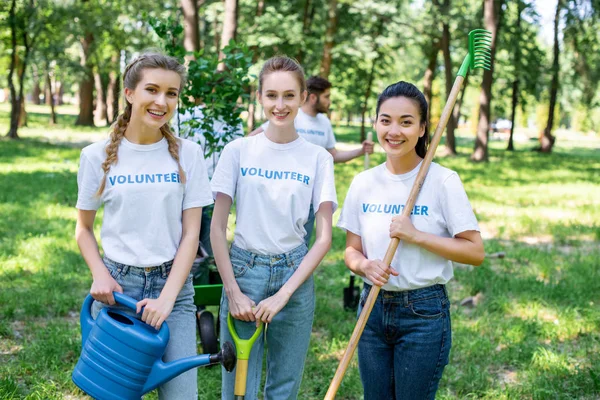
<point x="332" y="22"/>
<point x="191" y="40"/>
<point x="230" y="23"/>
<point x="492" y="15"/>
<point x="25" y="26"/>
<point x="547" y="139"/>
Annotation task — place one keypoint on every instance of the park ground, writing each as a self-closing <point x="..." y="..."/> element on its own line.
<point x="529" y="329"/>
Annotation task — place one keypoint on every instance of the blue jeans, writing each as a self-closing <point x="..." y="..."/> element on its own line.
<point x="309" y="226"/>
<point x="406" y="343"/>
<point x="142" y="283"/>
<point x="286" y="337"/>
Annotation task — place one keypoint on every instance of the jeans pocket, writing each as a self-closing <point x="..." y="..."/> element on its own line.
<point x="430" y="308"/>
<point x="240" y="267"/>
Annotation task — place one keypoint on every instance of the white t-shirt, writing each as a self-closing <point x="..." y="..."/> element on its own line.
<point x="143" y="198"/>
<point x="442" y="208"/>
<point x="273" y="185"/>
<point x="316" y="130"/>
<point x="218" y="131"/>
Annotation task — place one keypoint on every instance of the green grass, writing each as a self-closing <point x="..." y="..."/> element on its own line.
<point x="534" y="335"/>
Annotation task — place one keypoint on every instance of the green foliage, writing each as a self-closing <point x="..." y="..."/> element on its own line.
<point x="534" y="334"/>
<point x="218" y="90"/>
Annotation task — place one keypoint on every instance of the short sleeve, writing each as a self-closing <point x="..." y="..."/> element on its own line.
<point x="324" y="188"/>
<point x="330" y="144"/>
<point x="88" y="182"/>
<point x="349" y="220"/>
<point x="455" y="206"/>
<point x="197" y="187"/>
<point x="224" y="179"/>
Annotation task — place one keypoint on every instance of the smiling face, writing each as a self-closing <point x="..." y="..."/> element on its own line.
<point x="154" y="99"/>
<point x="281" y="96"/>
<point x="399" y="126"/>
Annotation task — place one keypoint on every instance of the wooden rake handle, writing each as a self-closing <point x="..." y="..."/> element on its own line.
<point x="389" y="255"/>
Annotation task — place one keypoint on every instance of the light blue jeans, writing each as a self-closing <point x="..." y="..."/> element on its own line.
<point x="406" y="343"/>
<point x="141" y="283"/>
<point x="286" y="337"/>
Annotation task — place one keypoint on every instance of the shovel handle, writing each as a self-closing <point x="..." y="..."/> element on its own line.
<point x="243" y="346"/>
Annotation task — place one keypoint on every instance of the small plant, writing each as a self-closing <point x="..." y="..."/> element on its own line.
<point x="218" y="90"/>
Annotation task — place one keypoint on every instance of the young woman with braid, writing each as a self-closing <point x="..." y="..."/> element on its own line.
<point x="153" y="187"/>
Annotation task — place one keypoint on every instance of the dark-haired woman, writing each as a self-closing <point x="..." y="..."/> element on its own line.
<point x="406" y="342"/>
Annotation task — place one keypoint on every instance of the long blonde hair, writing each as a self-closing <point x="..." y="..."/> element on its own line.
<point x="131" y="77"/>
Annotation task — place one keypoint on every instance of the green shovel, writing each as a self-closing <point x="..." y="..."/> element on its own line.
<point x="243" y="348"/>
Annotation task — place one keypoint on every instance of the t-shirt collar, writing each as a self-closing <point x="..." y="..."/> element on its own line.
<point x="145" y="147"/>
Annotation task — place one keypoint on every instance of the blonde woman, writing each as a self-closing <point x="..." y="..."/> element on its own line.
<point x="153" y="187"/>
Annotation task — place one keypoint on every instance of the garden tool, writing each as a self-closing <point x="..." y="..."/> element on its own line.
<point x="121" y="356"/>
<point x="243" y="348"/>
<point x="478" y="56"/>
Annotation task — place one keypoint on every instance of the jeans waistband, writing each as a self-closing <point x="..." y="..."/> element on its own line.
<point x="163" y="268"/>
<point x="290" y="257"/>
<point x="410" y="295"/>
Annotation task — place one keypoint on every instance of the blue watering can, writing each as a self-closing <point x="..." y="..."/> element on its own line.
<point x="121" y="356"/>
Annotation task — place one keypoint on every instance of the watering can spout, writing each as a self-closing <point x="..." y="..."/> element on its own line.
<point x="162" y="372"/>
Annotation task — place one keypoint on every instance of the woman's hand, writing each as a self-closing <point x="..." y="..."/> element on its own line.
<point x="103" y="287"/>
<point x="269" y="307"/>
<point x="403" y="229"/>
<point x="241" y="307"/>
<point x="156" y="311"/>
<point x="377" y="272"/>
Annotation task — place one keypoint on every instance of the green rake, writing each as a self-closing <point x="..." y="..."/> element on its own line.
<point x="478" y="57"/>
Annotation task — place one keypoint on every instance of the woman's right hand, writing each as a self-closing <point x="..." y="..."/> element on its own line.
<point x="240" y="307"/>
<point x="103" y="287"/>
<point x="377" y="272"/>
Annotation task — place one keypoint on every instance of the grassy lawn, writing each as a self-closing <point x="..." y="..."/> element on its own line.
<point x="533" y="334"/>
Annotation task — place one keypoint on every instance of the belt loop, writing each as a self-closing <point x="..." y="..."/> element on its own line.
<point x="123" y="268"/>
<point x="252" y="258"/>
<point x="163" y="270"/>
<point x="405" y="296"/>
<point x="289" y="260"/>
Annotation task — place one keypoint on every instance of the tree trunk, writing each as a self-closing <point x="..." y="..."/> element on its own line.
<point x="329" y="39"/>
<point x="60" y="91"/>
<point x="458" y="106"/>
<point x="100" y="113"/>
<point x="251" y="109"/>
<point x="370" y="79"/>
<point x="86" y="86"/>
<point x="229" y="27"/>
<point x="515" y="84"/>
<point x="451" y="125"/>
<point x="201" y="23"/>
<point x="112" y="92"/>
<point x="191" y="40"/>
<point x="15" y="109"/>
<point x="22" y="113"/>
<point x="50" y="97"/>
<point x="492" y="14"/>
<point x="36" y="91"/>
<point x="306" y="18"/>
<point x="547" y="139"/>
<point x="429" y="75"/>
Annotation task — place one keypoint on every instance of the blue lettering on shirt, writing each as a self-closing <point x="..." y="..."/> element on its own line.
<point x="310" y="132"/>
<point x="275" y="175"/>
<point x="393" y="209"/>
<point x="171" y="177"/>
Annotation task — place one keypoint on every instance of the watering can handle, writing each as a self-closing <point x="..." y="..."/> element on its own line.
<point x="127" y="301"/>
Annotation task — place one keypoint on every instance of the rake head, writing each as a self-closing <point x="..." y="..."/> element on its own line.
<point x="480" y="52"/>
<point x="480" y="49"/>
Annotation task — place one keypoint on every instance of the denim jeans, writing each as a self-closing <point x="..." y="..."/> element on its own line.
<point x="309" y="226"/>
<point x="207" y="213"/>
<point x="406" y="343"/>
<point x="286" y="338"/>
<point x="141" y="283"/>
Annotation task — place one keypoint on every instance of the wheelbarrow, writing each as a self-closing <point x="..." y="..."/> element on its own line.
<point x="207" y="292"/>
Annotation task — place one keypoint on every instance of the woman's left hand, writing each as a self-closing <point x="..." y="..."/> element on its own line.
<point x="156" y="311"/>
<point x="403" y="229"/>
<point x="269" y="307"/>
